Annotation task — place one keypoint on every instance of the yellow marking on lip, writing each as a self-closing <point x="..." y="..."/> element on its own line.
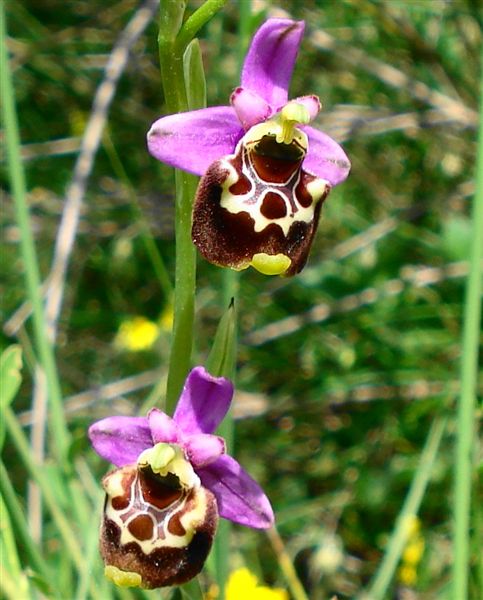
<point x="123" y="578"/>
<point x="275" y="264"/>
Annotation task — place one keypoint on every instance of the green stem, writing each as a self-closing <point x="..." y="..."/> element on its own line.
<point x="173" y="40"/>
<point x="172" y="75"/>
<point x="410" y="508"/>
<point x="184" y="294"/>
<point x="60" y="434"/>
<point x="171" y="57"/>
<point x="466" y="420"/>
<point x="196" y="21"/>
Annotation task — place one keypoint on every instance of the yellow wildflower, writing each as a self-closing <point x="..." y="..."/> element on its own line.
<point x="212" y="593"/>
<point x="243" y="584"/>
<point x="136" y="334"/>
<point x="412" y="553"/>
<point x="414" y="550"/>
<point x="407" y="575"/>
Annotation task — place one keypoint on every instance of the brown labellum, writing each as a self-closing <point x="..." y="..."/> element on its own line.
<point x="155" y="528"/>
<point x="258" y="200"/>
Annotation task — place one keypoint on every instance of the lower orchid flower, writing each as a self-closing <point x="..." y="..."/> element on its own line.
<point x="265" y="171"/>
<point x="173" y="480"/>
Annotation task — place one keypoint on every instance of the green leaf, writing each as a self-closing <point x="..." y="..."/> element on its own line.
<point x="10" y="380"/>
<point x="456" y="237"/>
<point x="15" y="584"/>
<point x="10" y="377"/>
<point x="221" y="360"/>
<point x="194" y="75"/>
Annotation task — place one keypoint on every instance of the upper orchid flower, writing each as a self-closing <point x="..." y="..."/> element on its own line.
<point x="265" y="171"/>
<point x="174" y="479"/>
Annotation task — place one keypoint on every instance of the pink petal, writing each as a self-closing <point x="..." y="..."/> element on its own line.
<point x="203" y="449"/>
<point x="268" y="66"/>
<point x="203" y="403"/>
<point x="163" y="428"/>
<point x="311" y="103"/>
<point x="249" y="107"/>
<point x="191" y="141"/>
<point x="120" y="440"/>
<point x="325" y="157"/>
<point x="240" y="499"/>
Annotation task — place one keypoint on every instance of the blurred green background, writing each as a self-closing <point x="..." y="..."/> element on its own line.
<point x="341" y="370"/>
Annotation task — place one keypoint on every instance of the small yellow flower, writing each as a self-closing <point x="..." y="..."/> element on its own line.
<point x="136" y="334"/>
<point x="212" y="593"/>
<point x="407" y="575"/>
<point x="412" y="553"/>
<point x="243" y="585"/>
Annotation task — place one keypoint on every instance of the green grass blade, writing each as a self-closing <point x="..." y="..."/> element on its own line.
<point x="382" y="579"/>
<point x="10" y="380"/>
<point x="466" y="419"/>
<point x="61" y="520"/>
<point x="147" y="238"/>
<point x="60" y="435"/>
<point x="10" y="559"/>
<point x="19" y="521"/>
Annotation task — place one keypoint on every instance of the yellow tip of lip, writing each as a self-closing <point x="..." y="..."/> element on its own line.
<point x="123" y="578"/>
<point x="267" y="264"/>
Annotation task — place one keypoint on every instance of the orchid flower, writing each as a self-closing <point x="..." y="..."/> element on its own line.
<point x="173" y="479"/>
<point x="265" y="171"/>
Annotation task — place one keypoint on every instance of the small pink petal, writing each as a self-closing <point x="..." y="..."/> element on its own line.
<point x="203" y="449"/>
<point x="311" y="103"/>
<point x="249" y="107"/>
<point x="163" y="428"/>
<point x="325" y="158"/>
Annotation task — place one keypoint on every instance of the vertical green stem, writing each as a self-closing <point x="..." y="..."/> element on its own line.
<point x="185" y="285"/>
<point x="174" y="37"/>
<point x="466" y="421"/>
<point x="60" y="434"/>
<point x="172" y="75"/>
